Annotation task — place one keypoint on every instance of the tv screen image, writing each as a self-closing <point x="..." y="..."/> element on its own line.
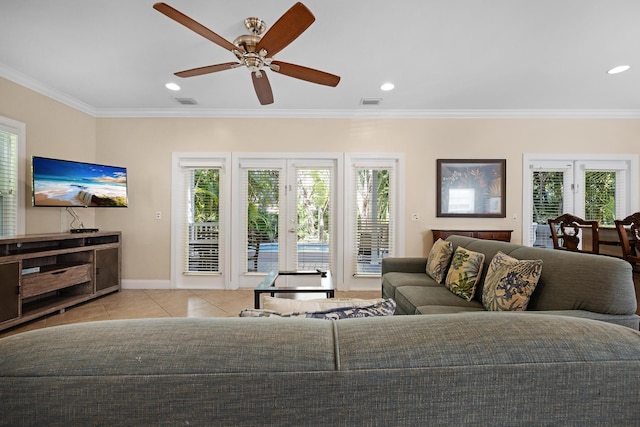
<point x="65" y="183"/>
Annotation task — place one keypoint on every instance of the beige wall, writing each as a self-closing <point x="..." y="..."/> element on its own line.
<point x="144" y="146"/>
<point x="53" y="130"/>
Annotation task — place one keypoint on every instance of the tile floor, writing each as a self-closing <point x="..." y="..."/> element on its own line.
<point x="149" y="303"/>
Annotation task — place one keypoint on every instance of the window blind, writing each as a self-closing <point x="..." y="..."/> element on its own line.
<point x="202" y="225"/>
<point x="8" y="183"/>
<point x="314" y="217"/>
<point x="261" y="187"/>
<point x="374" y="223"/>
<point x="600" y="196"/>
<point x="547" y="202"/>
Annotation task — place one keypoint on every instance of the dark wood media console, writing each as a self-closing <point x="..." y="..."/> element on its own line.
<point x="42" y="274"/>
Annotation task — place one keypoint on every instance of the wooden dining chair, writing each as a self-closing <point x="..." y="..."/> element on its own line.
<point x="629" y="236"/>
<point x="565" y="233"/>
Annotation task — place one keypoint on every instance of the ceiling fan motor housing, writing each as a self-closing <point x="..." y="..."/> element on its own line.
<point x="247" y="42"/>
<point x="247" y="54"/>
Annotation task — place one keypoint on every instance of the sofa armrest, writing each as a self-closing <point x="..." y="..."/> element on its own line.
<point x="404" y="264"/>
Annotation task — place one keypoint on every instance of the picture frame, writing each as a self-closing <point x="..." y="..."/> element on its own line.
<point x="471" y="188"/>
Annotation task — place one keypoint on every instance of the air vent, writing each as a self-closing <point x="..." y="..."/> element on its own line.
<point x="370" y="101"/>
<point x="187" y="101"/>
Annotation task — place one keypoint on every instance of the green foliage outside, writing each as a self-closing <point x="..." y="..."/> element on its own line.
<point x="313" y="206"/>
<point x="373" y="195"/>
<point x="206" y="191"/>
<point x="263" y="203"/>
<point x="547" y="196"/>
<point x="599" y="202"/>
<point x="600" y="197"/>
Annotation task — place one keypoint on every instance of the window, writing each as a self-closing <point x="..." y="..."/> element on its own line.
<point x="373" y="219"/>
<point x="203" y="220"/>
<point x="591" y="188"/>
<point x="12" y="188"/>
<point x="263" y="217"/>
<point x="199" y="212"/>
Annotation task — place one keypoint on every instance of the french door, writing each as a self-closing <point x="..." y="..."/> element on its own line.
<point x="285" y="216"/>
<point x="200" y="214"/>
<point x="591" y="188"/>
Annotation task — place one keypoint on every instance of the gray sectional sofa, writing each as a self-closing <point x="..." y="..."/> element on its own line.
<point x="472" y="369"/>
<point x="574" y="284"/>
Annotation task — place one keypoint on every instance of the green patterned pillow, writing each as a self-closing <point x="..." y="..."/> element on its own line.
<point x="464" y="273"/>
<point x="510" y="283"/>
<point x="438" y="260"/>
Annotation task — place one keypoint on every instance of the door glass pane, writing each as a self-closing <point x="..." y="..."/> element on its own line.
<point x="548" y="191"/>
<point x="204" y="217"/>
<point x="600" y="196"/>
<point x="372" y="219"/>
<point x="314" y="222"/>
<point x="263" y="213"/>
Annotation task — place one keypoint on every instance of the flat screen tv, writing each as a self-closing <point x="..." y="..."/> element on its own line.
<point x="65" y="183"/>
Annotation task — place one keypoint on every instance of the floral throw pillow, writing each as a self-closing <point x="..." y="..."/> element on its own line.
<point x="510" y="283"/>
<point x="438" y="260"/>
<point x="464" y="273"/>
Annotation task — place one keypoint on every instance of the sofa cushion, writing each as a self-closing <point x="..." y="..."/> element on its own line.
<point x="509" y="283"/>
<point x="382" y="308"/>
<point x="446" y="309"/>
<point x="288" y="305"/>
<point x="408" y="298"/>
<point x="464" y="273"/>
<point x="438" y="260"/>
<point x="396" y="279"/>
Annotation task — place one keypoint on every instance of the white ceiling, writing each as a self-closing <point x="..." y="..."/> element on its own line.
<point x="446" y="57"/>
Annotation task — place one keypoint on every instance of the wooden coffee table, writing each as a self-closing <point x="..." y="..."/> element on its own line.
<point x="324" y="284"/>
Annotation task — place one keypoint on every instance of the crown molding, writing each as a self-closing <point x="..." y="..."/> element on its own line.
<point x="370" y="114"/>
<point x="360" y="113"/>
<point x="48" y="91"/>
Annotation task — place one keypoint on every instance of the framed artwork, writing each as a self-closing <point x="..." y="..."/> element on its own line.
<point x="471" y="188"/>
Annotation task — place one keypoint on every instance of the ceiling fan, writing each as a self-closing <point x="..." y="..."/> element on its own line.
<point x="256" y="50"/>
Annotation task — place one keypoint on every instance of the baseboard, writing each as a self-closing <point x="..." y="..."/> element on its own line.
<point x="146" y="284"/>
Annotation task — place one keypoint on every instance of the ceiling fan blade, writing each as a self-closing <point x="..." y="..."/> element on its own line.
<point x="208" y="69"/>
<point x="183" y="19"/>
<point x="263" y="88"/>
<point x="286" y="29"/>
<point x="304" y="73"/>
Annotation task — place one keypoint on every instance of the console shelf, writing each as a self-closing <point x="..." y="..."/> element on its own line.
<point x="42" y="274"/>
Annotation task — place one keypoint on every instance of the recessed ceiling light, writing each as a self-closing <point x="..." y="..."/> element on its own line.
<point x="387" y="87"/>
<point x="619" y="69"/>
<point x="172" y="86"/>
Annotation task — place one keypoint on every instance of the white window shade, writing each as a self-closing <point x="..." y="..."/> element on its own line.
<point x="260" y="219"/>
<point x="202" y="225"/>
<point x="373" y="218"/>
<point x="314" y="219"/>
<point x="8" y="183"/>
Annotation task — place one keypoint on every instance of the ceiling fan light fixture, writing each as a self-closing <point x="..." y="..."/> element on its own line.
<point x="619" y="69"/>
<point x="172" y="86"/>
<point x="387" y="86"/>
